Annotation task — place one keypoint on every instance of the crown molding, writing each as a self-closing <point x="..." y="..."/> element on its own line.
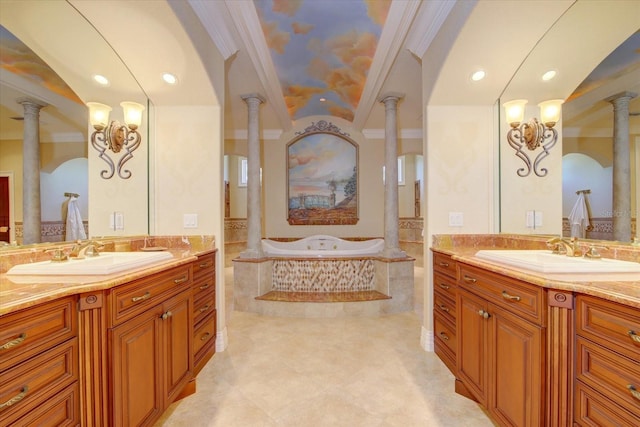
<point x="404" y="133"/>
<point x="212" y="15"/>
<point x="393" y="35"/>
<point x="266" y="134"/>
<point x="244" y="16"/>
<point x="428" y="21"/>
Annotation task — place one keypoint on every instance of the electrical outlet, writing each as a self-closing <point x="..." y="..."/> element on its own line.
<point x="190" y="221"/>
<point x="119" y="221"/>
<point x="530" y="221"/>
<point x="537" y="215"/>
<point x="456" y="219"/>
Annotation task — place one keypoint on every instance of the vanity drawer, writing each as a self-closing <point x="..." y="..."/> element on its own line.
<point x="202" y="306"/>
<point x="444" y="264"/>
<point x="129" y="300"/>
<point x="445" y="306"/>
<point x="204" y="266"/>
<point x="608" y="373"/>
<point x="593" y="409"/>
<point x="615" y="326"/>
<point x="203" y="286"/>
<point x="445" y="341"/>
<point x="516" y="296"/>
<point x="25" y="333"/>
<point x="445" y="284"/>
<point x="204" y="333"/>
<point x="35" y="381"/>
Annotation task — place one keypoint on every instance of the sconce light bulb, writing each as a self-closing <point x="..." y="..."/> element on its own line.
<point x="514" y="111"/>
<point x="550" y="112"/>
<point x="98" y="115"/>
<point x="132" y="114"/>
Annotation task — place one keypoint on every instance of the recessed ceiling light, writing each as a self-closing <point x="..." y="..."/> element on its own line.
<point x="169" y="78"/>
<point x="100" y="79"/>
<point x="549" y="75"/>
<point x="323" y="99"/>
<point x="478" y="75"/>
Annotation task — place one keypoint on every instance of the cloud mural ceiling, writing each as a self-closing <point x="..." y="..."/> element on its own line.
<point x="322" y="49"/>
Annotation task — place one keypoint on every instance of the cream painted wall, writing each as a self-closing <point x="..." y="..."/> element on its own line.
<point x="531" y="193"/>
<point x="11" y="161"/>
<point x="237" y="193"/>
<point x="406" y="191"/>
<point x="188" y="173"/>
<point x="636" y="183"/>
<point x="274" y="181"/>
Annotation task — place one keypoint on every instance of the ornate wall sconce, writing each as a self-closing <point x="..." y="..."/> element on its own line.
<point x="533" y="134"/>
<point x="114" y="136"/>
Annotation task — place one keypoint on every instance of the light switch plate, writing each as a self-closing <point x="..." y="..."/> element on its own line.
<point x="190" y="220"/>
<point x="456" y="219"/>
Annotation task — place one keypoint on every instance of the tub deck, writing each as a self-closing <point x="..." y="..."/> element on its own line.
<point x="322" y="296"/>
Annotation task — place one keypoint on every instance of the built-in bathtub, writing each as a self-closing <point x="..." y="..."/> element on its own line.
<point x="354" y="277"/>
<point x="322" y="246"/>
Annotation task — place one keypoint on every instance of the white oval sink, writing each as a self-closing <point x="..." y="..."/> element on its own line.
<point x="105" y="263"/>
<point x="547" y="262"/>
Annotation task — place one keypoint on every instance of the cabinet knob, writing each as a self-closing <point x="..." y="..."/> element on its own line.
<point x="444" y="336"/>
<point x="445" y="287"/>
<point x="205" y="308"/>
<point x="634" y="391"/>
<point x="166" y="315"/>
<point x="484" y="314"/>
<point x="205" y="336"/>
<point x="634" y="337"/>
<point x="444" y="264"/>
<point x="443" y="308"/>
<point x="181" y="280"/>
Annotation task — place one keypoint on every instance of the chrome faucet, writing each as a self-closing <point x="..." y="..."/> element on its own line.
<point x="570" y="246"/>
<point x="89" y="248"/>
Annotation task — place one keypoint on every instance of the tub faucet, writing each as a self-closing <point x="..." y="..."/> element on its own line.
<point x="89" y="248"/>
<point x="570" y="246"/>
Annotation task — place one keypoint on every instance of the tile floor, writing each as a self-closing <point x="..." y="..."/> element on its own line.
<point x="367" y="371"/>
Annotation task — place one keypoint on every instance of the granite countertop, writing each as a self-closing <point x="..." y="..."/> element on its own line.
<point x="18" y="292"/>
<point x="623" y="288"/>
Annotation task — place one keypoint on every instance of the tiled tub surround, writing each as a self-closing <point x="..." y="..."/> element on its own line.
<point x="23" y="292"/>
<point x="323" y="287"/>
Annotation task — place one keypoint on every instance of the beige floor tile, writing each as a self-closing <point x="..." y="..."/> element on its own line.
<point x="333" y="372"/>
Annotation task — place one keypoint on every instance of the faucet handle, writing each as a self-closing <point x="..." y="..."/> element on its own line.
<point x="593" y="253"/>
<point x="58" y="255"/>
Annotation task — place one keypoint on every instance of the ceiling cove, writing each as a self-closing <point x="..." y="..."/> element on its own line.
<point x="322" y="51"/>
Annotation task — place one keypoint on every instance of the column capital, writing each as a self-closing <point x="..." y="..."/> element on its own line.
<point x="625" y="94"/>
<point x="31" y="101"/>
<point x="249" y="96"/>
<point x="388" y="96"/>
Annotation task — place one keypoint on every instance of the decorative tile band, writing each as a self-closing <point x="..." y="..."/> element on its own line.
<point x="327" y="275"/>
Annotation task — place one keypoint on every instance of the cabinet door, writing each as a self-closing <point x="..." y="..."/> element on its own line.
<point x="472" y="344"/>
<point x="137" y="397"/>
<point x="517" y="366"/>
<point x="178" y="335"/>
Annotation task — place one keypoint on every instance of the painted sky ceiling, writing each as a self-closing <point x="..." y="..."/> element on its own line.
<point x="17" y="58"/>
<point x="322" y="49"/>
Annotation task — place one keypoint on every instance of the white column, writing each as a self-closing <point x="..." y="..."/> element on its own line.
<point x="391" y="216"/>
<point x="254" y="212"/>
<point x="621" y="166"/>
<point x="31" y="211"/>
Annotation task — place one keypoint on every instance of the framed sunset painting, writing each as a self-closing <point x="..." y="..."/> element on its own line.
<point x="322" y="178"/>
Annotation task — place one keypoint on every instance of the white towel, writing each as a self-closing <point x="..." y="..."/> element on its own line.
<point x="579" y="217"/>
<point x="75" y="228"/>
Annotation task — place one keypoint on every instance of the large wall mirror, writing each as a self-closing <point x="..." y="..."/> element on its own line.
<point x="51" y="53"/>
<point x="593" y="48"/>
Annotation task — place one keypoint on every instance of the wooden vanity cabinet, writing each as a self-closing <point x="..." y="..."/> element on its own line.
<point x="150" y="336"/>
<point x="444" y="309"/>
<point x="607" y="386"/>
<point x="501" y="345"/>
<point x="204" y="310"/>
<point x="39" y="365"/>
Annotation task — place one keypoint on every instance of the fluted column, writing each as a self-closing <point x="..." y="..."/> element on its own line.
<point x="31" y="211"/>
<point x="254" y="206"/>
<point x="621" y="166"/>
<point x="391" y="216"/>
